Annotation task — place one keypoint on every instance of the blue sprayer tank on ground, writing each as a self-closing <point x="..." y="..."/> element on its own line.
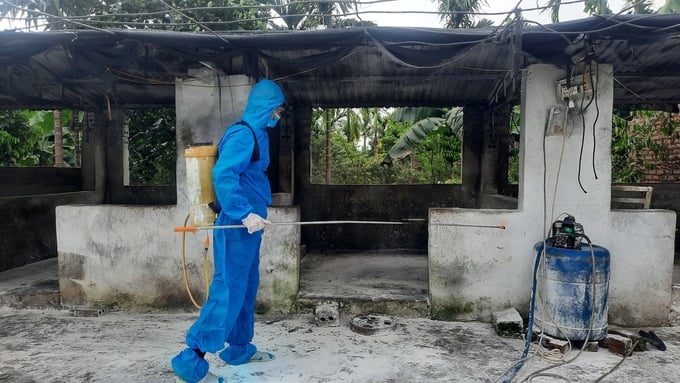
<point x="567" y="299"/>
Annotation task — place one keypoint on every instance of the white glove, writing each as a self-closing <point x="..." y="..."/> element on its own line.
<point x="254" y="222"/>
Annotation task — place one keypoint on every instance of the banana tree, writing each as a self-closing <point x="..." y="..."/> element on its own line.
<point x="671" y="6"/>
<point x="50" y="149"/>
<point x="601" y="7"/>
<point x="427" y="121"/>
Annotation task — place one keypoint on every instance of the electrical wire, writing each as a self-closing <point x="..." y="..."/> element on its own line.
<point x="512" y="372"/>
<point x="527" y="342"/>
<point x="546" y="7"/>
<point x="455" y="58"/>
<point x="610" y="18"/>
<point x="631" y="91"/>
<point x="593" y="274"/>
<point x="582" y="110"/>
<point x="583" y="140"/>
<point x="195" y="21"/>
<point x="596" y="81"/>
<point x="617" y="365"/>
<point x="65" y="19"/>
<point x="536" y="291"/>
<point x="266" y="7"/>
<point x="80" y="19"/>
<point x="547" y="228"/>
<point x="451" y="62"/>
<point x="563" y="35"/>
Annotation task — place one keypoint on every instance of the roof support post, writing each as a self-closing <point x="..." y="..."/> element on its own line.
<point x="473" y="144"/>
<point x="485" y="150"/>
<point x="93" y="154"/>
<point x="115" y="158"/>
<point x="494" y="161"/>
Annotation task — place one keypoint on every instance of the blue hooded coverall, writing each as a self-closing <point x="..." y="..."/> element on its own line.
<point x="241" y="187"/>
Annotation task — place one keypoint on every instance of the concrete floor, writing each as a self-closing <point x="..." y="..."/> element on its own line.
<point x="51" y="345"/>
<point x="366" y="275"/>
<point x="54" y="346"/>
<point x="394" y="283"/>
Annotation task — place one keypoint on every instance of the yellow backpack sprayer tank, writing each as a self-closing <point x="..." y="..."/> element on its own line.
<point x="201" y="193"/>
<point x="199" y="163"/>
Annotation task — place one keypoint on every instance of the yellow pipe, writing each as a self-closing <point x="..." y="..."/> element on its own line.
<point x="205" y="267"/>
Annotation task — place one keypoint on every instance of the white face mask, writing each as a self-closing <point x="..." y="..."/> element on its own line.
<point x="272" y="123"/>
<point x="276" y="116"/>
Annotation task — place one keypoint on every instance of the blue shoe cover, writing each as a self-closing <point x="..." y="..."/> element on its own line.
<point x="189" y="366"/>
<point x="238" y="353"/>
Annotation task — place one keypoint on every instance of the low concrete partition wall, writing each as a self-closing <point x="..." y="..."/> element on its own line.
<point x="477" y="270"/>
<point x="125" y="256"/>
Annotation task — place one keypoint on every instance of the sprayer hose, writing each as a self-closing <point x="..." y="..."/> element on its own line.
<point x="184" y="269"/>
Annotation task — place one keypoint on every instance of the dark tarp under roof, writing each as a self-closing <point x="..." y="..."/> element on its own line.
<point x="377" y="66"/>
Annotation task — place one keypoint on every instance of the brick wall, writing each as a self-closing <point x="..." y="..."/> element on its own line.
<point x="666" y="166"/>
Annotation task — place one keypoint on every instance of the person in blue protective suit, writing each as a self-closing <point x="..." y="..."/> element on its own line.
<point x="243" y="193"/>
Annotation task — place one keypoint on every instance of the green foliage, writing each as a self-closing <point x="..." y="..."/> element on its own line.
<point x="513" y="150"/>
<point x="152" y="148"/>
<point x="427" y="120"/>
<point x="633" y="137"/>
<point x="27" y="138"/>
<point x="601" y="7"/>
<point x="639" y="7"/>
<point x="179" y="15"/>
<point x="597" y="7"/>
<point x="671" y="6"/>
<point x="138" y="14"/>
<point x="185" y="15"/>
<point x="436" y="159"/>
<point x="451" y="19"/>
<point x="298" y="15"/>
<point x="16" y="138"/>
<point x="43" y="122"/>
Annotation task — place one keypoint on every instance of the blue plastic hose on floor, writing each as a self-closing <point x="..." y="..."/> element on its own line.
<point x="530" y="325"/>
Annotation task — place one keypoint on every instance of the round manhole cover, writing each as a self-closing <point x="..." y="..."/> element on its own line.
<point x="372" y="324"/>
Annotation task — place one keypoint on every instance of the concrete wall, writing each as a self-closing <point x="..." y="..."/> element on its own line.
<point x="31" y="194"/>
<point x="373" y="203"/>
<point x="475" y="270"/>
<point x="129" y="256"/>
<point x="43" y="180"/>
<point x="27" y="234"/>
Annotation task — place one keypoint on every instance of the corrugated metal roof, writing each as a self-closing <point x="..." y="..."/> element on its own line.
<point x="90" y="69"/>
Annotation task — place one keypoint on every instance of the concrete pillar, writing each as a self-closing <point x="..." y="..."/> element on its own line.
<point x="494" y="192"/>
<point x="302" y="157"/>
<point x="115" y="159"/>
<point x="93" y="155"/>
<point x="564" y="181"/>
<point x="286" y="141"/>
<point x="488" y="182"/>
<point x="203" y="111"/>
<point x="494" y="158"/>
<point x="485" y="152"/>
<point x="474" y="121"/>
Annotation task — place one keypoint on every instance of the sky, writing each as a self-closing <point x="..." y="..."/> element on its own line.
<point x="405" y="19"/>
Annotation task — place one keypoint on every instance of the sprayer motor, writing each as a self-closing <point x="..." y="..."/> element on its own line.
<point x="567" y="233"/>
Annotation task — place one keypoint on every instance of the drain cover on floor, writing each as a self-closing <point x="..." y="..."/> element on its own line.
<point x="372" y="324"/>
